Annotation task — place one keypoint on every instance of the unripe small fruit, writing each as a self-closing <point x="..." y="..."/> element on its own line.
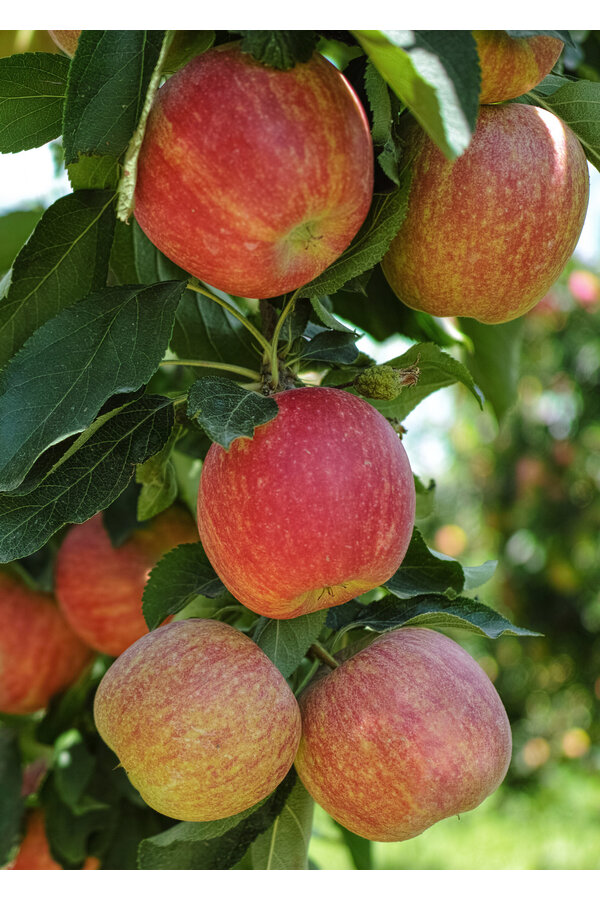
<point x="202" y="721"/>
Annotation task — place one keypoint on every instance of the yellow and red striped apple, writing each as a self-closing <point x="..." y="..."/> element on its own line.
<point x="512" y="66"/>
<point x="316" y="508"/>
<point x="251" y="178"/>
<point x="39" y="653"/>
<point x="202" y="721"/>
<point x="99" y="587"/>
<point x="408" y="731"/>
<point x="486" y="235"/>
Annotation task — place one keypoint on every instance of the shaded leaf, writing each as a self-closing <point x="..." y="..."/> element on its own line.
<point x="227" y="411"/>
<point x="32" y="93"/>
<point x="158" y="480"/>
<point x="15" y="228"/>
<point x="95" y="172"/>
<point x="326" y="318"/>
<point x="285" y="844"/>
<point x="360" y="849"/>
<point x="11" y="802"/>
<point x="280" y="49"/>
<point x="425" y="497"/>
<point x="422" y="572"/>
<point x="93" y="472"/>
<point x="564" y="36"/>
<point x="331" y="347"/>
<point x="180" y="575"/>
<point x="286" y="641"/>
<point x="109" y="343"/>
<point x="73" y="767"/>
<point x="495" y="362"/>
<point x="65" y="258"/>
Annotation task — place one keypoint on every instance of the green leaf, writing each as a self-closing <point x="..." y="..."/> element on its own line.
<point x="576" y="103"/>
<point x="110" y="71"/>
<point x="11" y="802"/>
<point x="32" y="93"/>
<point x="180" y="575"/>
<point x="109" y="343"/>
<point x="158" y="480"/>
<point x="436" y="74"/>
<point x="69" y="832"/>
<point x="65" y="258"/>
<point x="361" y="850"/>
<point x="91" y="474"/>
<point x="436" y="611"/>
<point x="422" y="572"/>
<point x="95" y="172"/>
<point x="564" y="36"/>
<point x="286" y="641"/>
<point x="227" y="411"/>
<point x="186" y="45"/>
<point x="73" y="767"/>
<point x="326" y="318"/>
<point x="381" y="226"/>
<point x="331" y="347"/>
<point x="475" y="576"/>
<point x="285" y="844"/>
<point x="380" y="103"/>
<point x="425" y="497"/>
<point x="280" y="49"/>
<point x="15" y="228"/>
<point x="213" y="845"/>
<point x="495" y="362"/>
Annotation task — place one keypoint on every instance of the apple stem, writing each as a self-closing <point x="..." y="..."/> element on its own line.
<point x="272" y="355"/>
<point x="321" y="653"/>
<point x="238" y="370"/>
<point x="234" y="312"/>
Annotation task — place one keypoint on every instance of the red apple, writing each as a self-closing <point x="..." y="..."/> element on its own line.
<point x="486" y="235"/>
<point x="34" y="852"/>
<point x="406" y="732"/>
<point x="316" y="508"/>
<point x="251" y="178"/>
<point x="99" y="587"/>
<point x="512" y="66"/>
<point x="202" y="721"/>
<point x="66" y="40"/>
<point x="39" y="654"/>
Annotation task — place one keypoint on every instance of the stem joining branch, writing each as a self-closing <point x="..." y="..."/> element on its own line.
<point x="234" y="312"/>
<point x="324" y="655"/>
<point x="207" y="364"/>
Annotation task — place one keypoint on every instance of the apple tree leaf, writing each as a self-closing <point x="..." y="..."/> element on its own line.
<point x="32" y="94"/>
<point x="285" y="843"/>
<point x="576" y="103"/>
<point x="280" y="49"/>
<point x="436" y="74"/>
<point x="422" y="572"/>
<point x="91" y="474"/>
<point x="94" y="172"/>
<point x="286" y="641"/>
<point x="227" y="411"/>
<point x="111" y="342"/>
<point x="158" y="480"/>
<point x="15" y="228"/>
<point x="326" y="318"/>
<point x="425" y="497"/>
<point x="110" y="71"/>
<point x="495" y="360"/>
<point x="11" y="802"/>
<point x="65" y="258"/>
<point x="213" y="845"/>
<point x="180" y="575"/>
<point x="330" y="346"/>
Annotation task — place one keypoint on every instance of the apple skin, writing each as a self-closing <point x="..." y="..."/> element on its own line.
<point x="318" y="507"/>
<point x="406" y="732"/>
<point x="512" y="66"/>
<point x="251" y="178"/>
<point x="486" y="235"/>
<point x="99" y="587"/>
<point x="39" y="653"/>
<point x="202" y="721"/>
<point x="34" y="852"/>
<point x="66" y="40"/>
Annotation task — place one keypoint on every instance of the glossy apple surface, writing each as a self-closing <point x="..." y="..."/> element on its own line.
<point x="39" y="653"/>
<point x="251" y="178"/>
<point x="99" y="587"/>
<point x="486" y="235"/>
<point x="512" y="66"/>
<point x="202" y="721"/>
<point x="316" y="508"/>
<point x="34" y="852"/>
<point x="406" y="732"/>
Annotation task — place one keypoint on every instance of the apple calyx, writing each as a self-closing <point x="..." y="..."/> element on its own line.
<point x="385" y="382"/>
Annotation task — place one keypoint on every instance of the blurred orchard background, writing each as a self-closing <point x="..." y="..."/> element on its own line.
<point x="526" y="493"/>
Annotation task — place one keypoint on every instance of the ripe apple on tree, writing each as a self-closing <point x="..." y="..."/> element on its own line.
<point x="486" y="235"/>
<point x="99" y="587"/>
<point x="202" y="721"/>
<point x="251" y="178"/>
<point x="39" y="653"/>
<point x="512" y="66"/>
<point x="408" y="731"/>
<point x="316" y="508"/>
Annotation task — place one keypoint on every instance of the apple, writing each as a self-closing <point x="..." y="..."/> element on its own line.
<point x="408" y="731"/>
<point x="202" y="721"/>
<point x="99" y="587"/>
<point x="251" y="178"/>
<point x="512" y="66"/>
<point x="316" y="508"/>
<point x="66" y="40"/>
<point x="34" y="852"/>
<point x="485" y="236"/>
<point x="39" y="653"/>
